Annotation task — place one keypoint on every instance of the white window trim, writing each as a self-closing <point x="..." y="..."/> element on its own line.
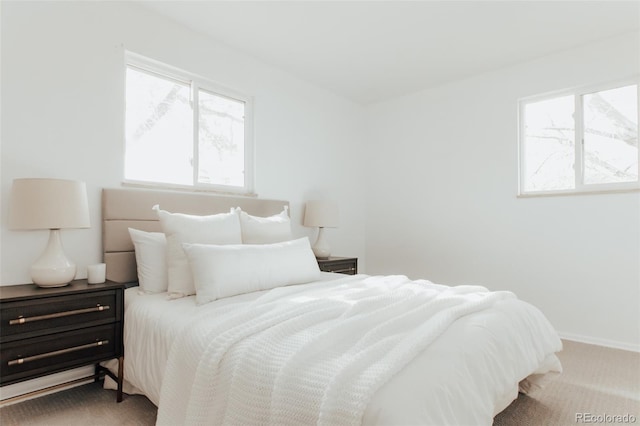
<point x="580" y="187"/>
<point x="197" y="83"/>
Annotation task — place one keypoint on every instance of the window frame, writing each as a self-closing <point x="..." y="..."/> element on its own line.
<point x="196" y="83"/>
<point x="580" y="187"/>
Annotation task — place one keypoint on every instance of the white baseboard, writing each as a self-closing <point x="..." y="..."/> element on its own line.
<point x="22" y="388"/>
<point x="600" y="342"/>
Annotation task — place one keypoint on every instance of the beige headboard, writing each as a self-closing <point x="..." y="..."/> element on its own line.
<point x="131" y="208"/>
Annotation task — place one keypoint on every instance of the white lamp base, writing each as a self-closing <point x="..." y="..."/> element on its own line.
<point x="321" y="248"/>
<point x="53" y="268"/>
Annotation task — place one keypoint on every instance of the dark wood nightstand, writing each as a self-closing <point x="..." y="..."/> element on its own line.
<point x="47" y="330"/>
<point x="342" y="265"/>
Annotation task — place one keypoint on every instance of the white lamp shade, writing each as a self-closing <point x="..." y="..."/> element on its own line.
<point x="321" y="213"/>
<point x="48" y="204"/>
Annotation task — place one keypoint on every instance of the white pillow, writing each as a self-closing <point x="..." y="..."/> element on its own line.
<point x="265" y="230"/>
<point x="223" y="228"/>
<point x="223" y="271"/>
<point x="151" y="258"/>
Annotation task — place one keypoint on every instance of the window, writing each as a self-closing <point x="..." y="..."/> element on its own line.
<point x="580" y="141"/>
<point x="182" y="130"/>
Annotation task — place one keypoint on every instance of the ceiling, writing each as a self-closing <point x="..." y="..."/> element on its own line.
<point x="369" y="51"/>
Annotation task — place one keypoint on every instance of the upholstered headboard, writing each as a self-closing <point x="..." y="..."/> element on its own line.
<point x="131" y="208"/>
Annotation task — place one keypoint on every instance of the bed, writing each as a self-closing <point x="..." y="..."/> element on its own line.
<point x="325" y="348"/>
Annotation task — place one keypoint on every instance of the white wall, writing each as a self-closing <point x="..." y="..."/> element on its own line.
<point x="62" y="116"/>
<point x="442" y="185"/>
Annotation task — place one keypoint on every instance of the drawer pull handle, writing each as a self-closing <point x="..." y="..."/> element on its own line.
<point x="23" y="320"/>
<point x="20" y="361"/>
<point x="340" y="271"/>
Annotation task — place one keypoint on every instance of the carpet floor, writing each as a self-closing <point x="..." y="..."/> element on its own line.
<point x="596" y="381"/>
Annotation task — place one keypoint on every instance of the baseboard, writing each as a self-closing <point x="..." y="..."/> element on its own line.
<point x="22" y="388"/>
<point x="600" y="342"/>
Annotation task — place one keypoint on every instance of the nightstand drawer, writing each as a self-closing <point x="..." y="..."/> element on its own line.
<point x="50" y="314"/>
<point x="340" y="265"/>
<point x="342" y="268"/>
<point x="46" y="354"/>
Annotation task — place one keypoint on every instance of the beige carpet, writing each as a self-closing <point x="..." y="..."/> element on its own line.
<point x="596" y="381"/>
<point x="80" y="406"/>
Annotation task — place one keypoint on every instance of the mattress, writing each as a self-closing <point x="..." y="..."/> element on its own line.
<point x="468" y="374"/>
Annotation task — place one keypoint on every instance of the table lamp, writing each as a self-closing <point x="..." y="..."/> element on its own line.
<point x="321" y="214"/>
<point x="52" y="204"/>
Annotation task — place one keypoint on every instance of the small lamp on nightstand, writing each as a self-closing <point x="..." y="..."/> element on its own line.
<point x="51" y="204"/>
<point x="323" y="214"/>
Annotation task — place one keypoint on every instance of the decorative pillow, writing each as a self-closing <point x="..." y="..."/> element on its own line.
<point x="265" y="230"/>
<point x="223" y="271"/>
<point x="151" y="258"/>
<point x="223" y="228"/>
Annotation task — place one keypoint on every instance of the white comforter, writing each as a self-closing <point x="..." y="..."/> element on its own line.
<point x="373" y="350"/>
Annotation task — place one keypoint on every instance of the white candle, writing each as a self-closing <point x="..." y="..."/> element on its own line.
<point x="96" y="273"/>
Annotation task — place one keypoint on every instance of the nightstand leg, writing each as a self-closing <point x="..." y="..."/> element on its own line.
<point x="120" y="378"/>
<point x="96" y="375"/>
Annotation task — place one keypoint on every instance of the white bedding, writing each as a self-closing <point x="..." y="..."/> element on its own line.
<point x="465" y="375"/>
